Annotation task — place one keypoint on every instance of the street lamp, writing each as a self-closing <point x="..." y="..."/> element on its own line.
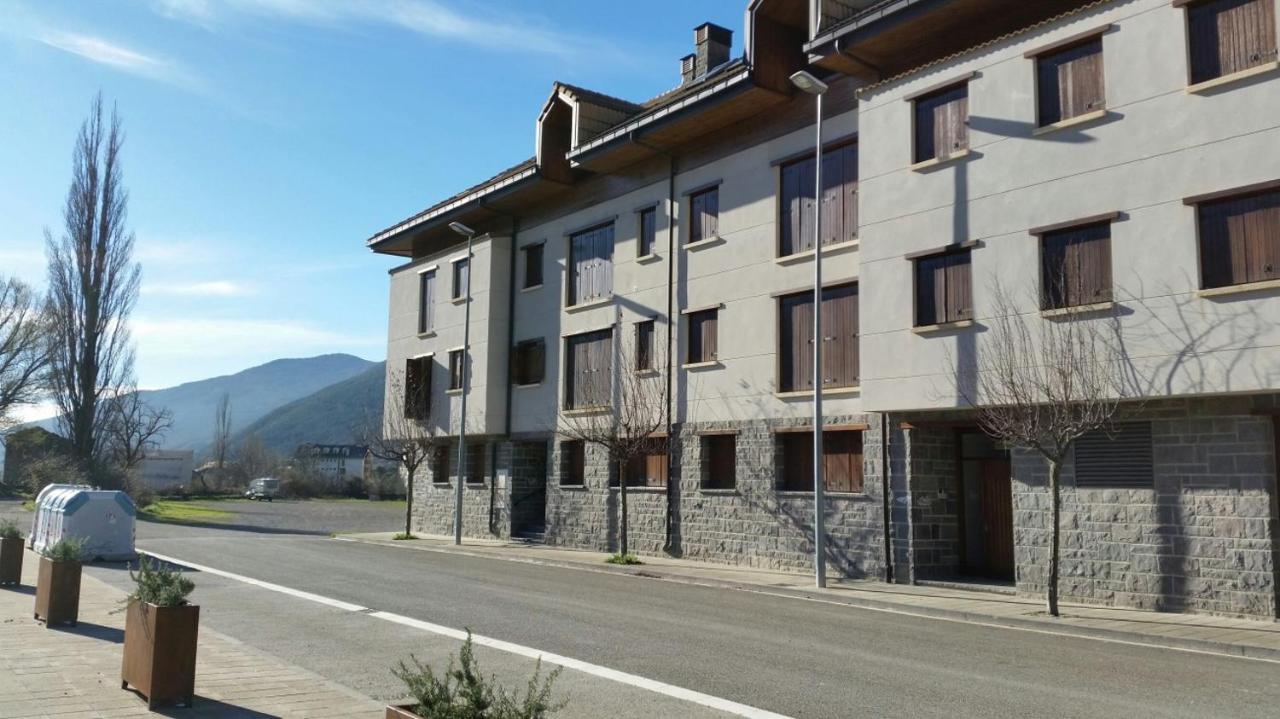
<point x="806" y="82"/>
<point x="470" y="234"/>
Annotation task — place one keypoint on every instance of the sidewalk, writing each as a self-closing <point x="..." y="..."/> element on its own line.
<point x="74" y="672"/>
<point x="1258" y="639"/>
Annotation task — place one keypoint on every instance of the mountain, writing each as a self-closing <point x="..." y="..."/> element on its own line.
<point x="328" y="416"/>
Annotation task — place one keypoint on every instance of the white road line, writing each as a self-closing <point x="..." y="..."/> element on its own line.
<point x="689" y="695"/>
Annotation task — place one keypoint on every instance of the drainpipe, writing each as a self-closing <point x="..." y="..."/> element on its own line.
<point x="885" y="490"/>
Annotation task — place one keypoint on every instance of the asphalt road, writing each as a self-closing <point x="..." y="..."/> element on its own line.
<point x="786" y="655"/>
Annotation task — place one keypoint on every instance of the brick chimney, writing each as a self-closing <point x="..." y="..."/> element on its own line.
<point x="686" y="68"/>
<point x="712" y="44"/>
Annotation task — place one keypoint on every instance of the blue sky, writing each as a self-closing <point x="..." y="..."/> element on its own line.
<point x="266" y="139"/>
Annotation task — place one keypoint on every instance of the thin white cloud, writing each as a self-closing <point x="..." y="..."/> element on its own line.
<point x="212" y="288"/>
<point x="201" y="338"/>
<point x="119" y="57"/>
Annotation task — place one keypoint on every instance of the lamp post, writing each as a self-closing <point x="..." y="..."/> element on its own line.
<point x="806" y="82"/>
<point x="470" y="234"/>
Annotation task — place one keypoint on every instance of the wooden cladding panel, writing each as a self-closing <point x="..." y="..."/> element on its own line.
<point x="841" y="461"/>
<point x="1240" y="240"/>
<point x="839" y="342"/>
<point x="839" y="200"/>
<point x="1119" y="458"/>
<point x="1229" y="36"/>
<point x="944" y="288"/>
<point x="1071" y="82"/>
<point x="591" y="265"/>
<point x="1075" y="266"/>
<point x="588" y="370"/>
<point x="942" y="123"/>
<point x="704" y="214"/>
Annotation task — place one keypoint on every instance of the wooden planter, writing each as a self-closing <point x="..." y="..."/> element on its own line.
<point x="10" y="561"/>
<point x="58" y="592"/>
<point x="160" y="652"/>
<point x="401" y="712"/>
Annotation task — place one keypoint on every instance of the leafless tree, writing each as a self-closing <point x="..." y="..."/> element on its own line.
<point x="623" y="415"/>
<point x="93" y="284"/>
<point x="1041" y="384"/>
<point x="222" y="433"/>
<point x="253" y="459"/>
<point x="403" y="434"/>
<point x="133" y="428"/>
<point x="24" y="347"/>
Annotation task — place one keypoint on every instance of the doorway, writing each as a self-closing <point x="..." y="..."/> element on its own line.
<point x="529" y="491"/>
<point x="986" y="507"/>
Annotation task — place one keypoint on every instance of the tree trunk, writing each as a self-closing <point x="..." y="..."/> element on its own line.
<point x="408" y="505"/>
<point x="622" y="521"/>
<point x="1055" y="500"/>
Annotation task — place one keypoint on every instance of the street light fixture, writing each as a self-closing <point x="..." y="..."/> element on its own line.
<point x="810" y="84"/>
<point x="470" y="234"/>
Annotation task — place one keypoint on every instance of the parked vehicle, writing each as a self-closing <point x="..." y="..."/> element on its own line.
<point x="263" y="488"/>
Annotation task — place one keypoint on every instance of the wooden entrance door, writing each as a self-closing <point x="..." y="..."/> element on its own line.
<point x="997" y="517"/>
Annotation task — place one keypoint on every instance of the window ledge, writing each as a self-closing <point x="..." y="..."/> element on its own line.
<point x="458" y="301"/>
<point x="808" y="393"/>
<point x="643" y="490"/>
<point x="701" y="365"/>
<point x="531" y="288"/>
<point x="647" y="373"/>
<point x="589" y="305"/>
<point x="808" y="494"/>
<point x="476" y="485"/>
<point x="1078" y="309"/>
<point x="926" y="165"/>
<point x="1240" y="289"/>
<point x="942" y="327"/>
<point x="584" y="411"/>
<point x="1234" y="77"/>
<point x="1070" y="122"/>
<point x="703" y="244"/>
<point x="572" y="487"/>
<point x="808" y="254"/>
<point x="648" y="259"/>
<point x="718" y="492"/>
<point x="441" y="485"/>
<point x="426" y="335"/>
<point x="457" y="391"/>
<point x="531" y="385"/>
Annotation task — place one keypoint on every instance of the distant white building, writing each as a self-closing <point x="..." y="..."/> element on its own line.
<point x="166" y="469"/>
<point x="336" y="462"/>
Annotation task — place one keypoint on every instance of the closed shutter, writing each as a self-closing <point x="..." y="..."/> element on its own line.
<point x="648" y="231"/>
<point x="796" y="336"/>
<point x="1121" y="458"/>
<point x="944" y="288"/>
<point x="791" y="239"/>
<point x="720" y="461"/>
<point x="1240" y="240"/>
<point x="840" y="336"/>
<point x="1076" y="266"/>
<point x="832" y="197"/>
<point x="942" y="123"/>
<point x="533" y="265"/>
<point x="426" y="301"/>
<point x="842" y="461"/>
<point x="1071" y="82"/>
<point x="591" y="265"/>
<point x="702" y="336"/>
<point x="704" y="214"/>
<point x="588" y="370"/>
<point x="1229" y="36"/>
<point x="461" y="278"/>
<point x="849" y="226"/>
<point x="839" y="200"/>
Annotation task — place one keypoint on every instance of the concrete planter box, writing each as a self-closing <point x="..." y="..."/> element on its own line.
<point x="10" y="561"/>
<point x="160" y="652"/>
<point x="58" y="592"/>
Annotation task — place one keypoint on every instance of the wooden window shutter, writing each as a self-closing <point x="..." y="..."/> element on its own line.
<point x="702" y="336"/>
<point x="1240" y="240"/>
<point x="942" y="123"/>
<point x="1230" y="36"/>
<point x="789" y="211"/>
<point x="796" y="338"/>
<point x="648" y="231"/>
<point x="1076" y="266"/>
<point x="797" y="206"/>
<point x="426" y="301"/>
<point x="1070" y="82"/>
<point x="1121" y="458"/>
<point x="849" y="220"/>
<point x="840" y="336"/>
<point x="842" y="461"/>
<point x="944" y="288"/>
<point x="644" y="345"/>
<point x="832" y="197"/>
<point x="461" y="278"/>
<point x="704" y="214"/>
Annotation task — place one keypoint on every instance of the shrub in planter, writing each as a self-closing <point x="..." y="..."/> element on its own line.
<point x="160" y="636"/>
<point x="58" y="582"/>
<point x="10" y="553"/>
<point x="463" y="692"/>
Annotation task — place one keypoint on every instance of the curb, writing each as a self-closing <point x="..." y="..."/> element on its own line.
<point x="1204" y="646"/>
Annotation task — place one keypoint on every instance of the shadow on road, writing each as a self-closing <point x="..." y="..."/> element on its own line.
<point x="233" y="527"/>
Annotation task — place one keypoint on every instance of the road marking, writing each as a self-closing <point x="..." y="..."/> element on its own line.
<point x="635" y="680"/>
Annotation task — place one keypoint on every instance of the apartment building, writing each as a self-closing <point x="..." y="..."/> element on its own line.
<point x="1124" y="149"/>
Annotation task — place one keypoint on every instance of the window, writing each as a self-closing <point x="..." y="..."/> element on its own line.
<point x="461" y="278"/>
<point x="702" y="336"/>
<point x="426" y="301"/>
<point x="704" y="214"/>
<point x="417" y="388"/>
<point x="644" y="345"/>
<point x="1075" y="266"/>
<point x="588" y="370"/>
<point x="475" y="463"/>
<point x="942" y="123"/>
<point x="649" y="467"/>
<point x="841" y="461"/>
<point x="528" y="362"/>
<point x="839" y="339"/>
<point x="839" y="201"/>
<point x="1121" y="457"/>
<point x="1069" y="82"/>
<point x="590" y="265"/>
<point x="944" y="288"/>
<point x="573" y="463"/>
<point x="648" y="231"/>
<point x="719" y="461"/>
<point x="1240" y="239"/>
<point x="456" y="364"/>
<point x="533" y="265"/>
<point x="440" y="464"/>
<point x="1230" y="36"/>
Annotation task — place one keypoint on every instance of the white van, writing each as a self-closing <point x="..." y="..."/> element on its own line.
<point x="263" y="488"/>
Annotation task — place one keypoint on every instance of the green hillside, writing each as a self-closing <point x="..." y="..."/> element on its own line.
<point x="328" y="416"/>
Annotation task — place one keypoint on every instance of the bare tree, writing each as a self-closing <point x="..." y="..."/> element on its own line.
<point x="133" y="428"/>
<point x="24" y="347"/>
<point x="1041" y="384"/>
<point x="404" y="435"/>
<point x="619" y="408"/>
<point x="253" y="459"/>
<point x="222" y="433"/>
<point x="93" y="284"/>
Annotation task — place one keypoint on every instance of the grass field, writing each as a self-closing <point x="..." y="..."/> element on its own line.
<point x="183" y="511"/>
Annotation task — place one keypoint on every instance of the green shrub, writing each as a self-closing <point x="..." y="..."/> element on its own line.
<point x="627" y="559"/>
<point x="402" y="535"/>
<point x="157" y="584"/>
<point x="67" y="549"/>
<point x="9" y="530"/>
<point x="463" y="692"/>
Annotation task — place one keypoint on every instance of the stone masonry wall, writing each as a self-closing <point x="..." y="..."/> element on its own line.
<point x="433" y="503"/>
<point x="933" y="481"/>
<point x="1203" y="539"/>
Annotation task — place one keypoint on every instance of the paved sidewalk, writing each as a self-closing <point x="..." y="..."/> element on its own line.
<point x="1200" y="632"/>
<point x="74" y="672"/>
